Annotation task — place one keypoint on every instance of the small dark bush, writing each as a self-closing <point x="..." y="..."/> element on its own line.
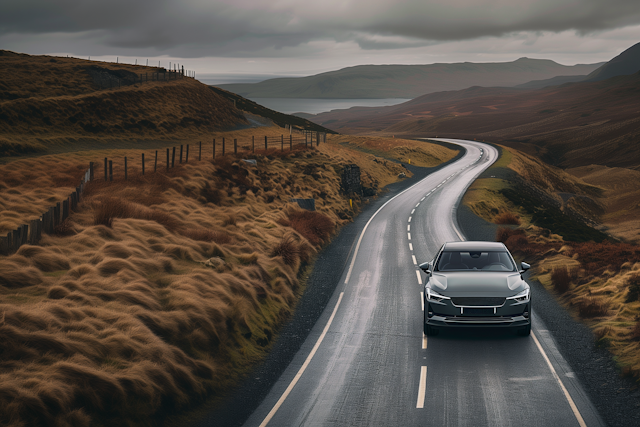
<point x="507" y="218"/>
<point x="561" y="279"/>
<point x="287" y="249"/>
<point x="314" y="226"/>
<point x="635" y="332"/>
<point x="591" y="307"/>
<point x="634" y="288"/>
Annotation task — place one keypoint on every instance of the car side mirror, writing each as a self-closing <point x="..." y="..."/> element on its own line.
<point x="524" y="267"/>
<point x="426" y="267"/>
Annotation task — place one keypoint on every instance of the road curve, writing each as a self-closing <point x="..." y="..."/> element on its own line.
<point x="367" y="363"/>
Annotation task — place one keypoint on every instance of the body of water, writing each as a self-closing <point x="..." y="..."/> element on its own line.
<point x="315" y="106"/>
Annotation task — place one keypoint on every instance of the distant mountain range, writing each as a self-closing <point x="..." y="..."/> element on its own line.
<point x="628" y="62"/>
<point x="595" y="121"/>
<point x="408" y="81"/>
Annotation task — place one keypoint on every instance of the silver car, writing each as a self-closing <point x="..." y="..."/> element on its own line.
<point x="475" y="284"/>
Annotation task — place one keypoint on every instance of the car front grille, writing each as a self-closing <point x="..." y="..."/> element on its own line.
<point x="478" y="301"/>
<point x="478" y="312"/>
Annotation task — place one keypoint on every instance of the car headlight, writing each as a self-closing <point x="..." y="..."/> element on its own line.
<point x="434" y="296"/>
<point x="521" y="296"/>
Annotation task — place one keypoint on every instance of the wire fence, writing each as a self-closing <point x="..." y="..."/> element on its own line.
<point x="51" y="219"/>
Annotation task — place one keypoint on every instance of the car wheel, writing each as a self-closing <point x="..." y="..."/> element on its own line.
<point x="525" y="331"/>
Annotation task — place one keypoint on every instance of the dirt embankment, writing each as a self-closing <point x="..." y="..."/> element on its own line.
<point x="164" y="289"/>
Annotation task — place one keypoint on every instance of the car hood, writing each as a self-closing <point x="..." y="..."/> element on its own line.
<point x="481" y="283"/>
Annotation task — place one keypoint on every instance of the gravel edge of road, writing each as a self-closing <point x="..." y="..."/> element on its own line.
<point x="321" y="284"/>
<point x="616" y="399"/>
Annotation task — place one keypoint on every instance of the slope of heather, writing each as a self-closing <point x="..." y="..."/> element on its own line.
<point x="570" y="125"/>
<point x="628" y="62"/>
<point x="407" y="81"/>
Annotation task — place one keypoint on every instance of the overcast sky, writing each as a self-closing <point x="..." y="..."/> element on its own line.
<point x="293" y="37"/>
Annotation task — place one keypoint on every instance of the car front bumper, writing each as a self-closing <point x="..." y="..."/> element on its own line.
<point x="448" y="315"/>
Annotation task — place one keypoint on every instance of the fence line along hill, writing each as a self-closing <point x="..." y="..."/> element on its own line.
<point x="48" y="102"/>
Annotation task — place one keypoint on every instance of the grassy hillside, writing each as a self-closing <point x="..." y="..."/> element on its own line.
<point x="48" y="103"/>
<point x="595" y="278"/>
<point x="406" y="81"/>
<point x="162" y="290"/>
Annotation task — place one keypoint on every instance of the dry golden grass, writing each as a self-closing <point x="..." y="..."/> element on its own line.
<point x="410" y="151"/>
<point x="160" y="290"/>
<point x="620" y="198"/>
<point x="598" y="282"/>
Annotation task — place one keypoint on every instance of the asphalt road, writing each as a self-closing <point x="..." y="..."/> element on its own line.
<point x="367" y="363"/>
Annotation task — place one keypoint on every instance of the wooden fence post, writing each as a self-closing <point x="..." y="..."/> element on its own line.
<point x="65" y="209"/>
<point x="290" y="143"/>
<point x="167" y="160"/>
<point x="214" y="148"/>
<point x="125" y="168"/>
<point x="200" y="151"/>
<point x="33" y="235"/>
<point x="281" y="142"/>
<point x="187" y="157"/>
<point x="106" y="178"/>
<point x="90" y="171"/>
<point x="173" y="157"/>
<point x="56" y="214"/>
<point x="155" y="164"/>
<point x="223" y="145"/>
<point x="265" y="143"/>
<point x="181" y="147"/>
<point x="4" y="245"/>
<point x="235" y="146"/>
<point x="253" y="143"/>
<point x="142" y="163"/>
<point x="110" y="170"/>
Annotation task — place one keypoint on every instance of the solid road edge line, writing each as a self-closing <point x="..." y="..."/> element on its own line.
<point x="573" y="406"/>
<point x="303" y="367"/>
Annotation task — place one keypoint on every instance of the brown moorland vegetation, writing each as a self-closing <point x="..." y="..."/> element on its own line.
<point x="571" y="125"/>
<point x="163" y="289"/>
<point x="597" y="281"/>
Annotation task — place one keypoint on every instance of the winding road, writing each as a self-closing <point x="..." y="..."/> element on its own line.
<point x="367" y="362"/>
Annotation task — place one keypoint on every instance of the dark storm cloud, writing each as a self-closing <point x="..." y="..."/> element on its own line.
<point x="248" y="27"/>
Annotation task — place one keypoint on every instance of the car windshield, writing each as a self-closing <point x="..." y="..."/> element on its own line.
<point x="475" y="260"/>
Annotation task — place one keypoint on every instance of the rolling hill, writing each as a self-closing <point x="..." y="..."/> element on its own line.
<point x="49" y="102"/>
<point x="570" y="125"/>
<point x="407" y="81"/>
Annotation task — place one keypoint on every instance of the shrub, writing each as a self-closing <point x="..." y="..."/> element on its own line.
<point x="598" y="257"/>
<point x="591" y="307"/>
<point x="561" y="279"/>
<point x="634" y="288"/>
<point x="287" y="249"/>
<point x="507" y="218"/>
<point x="503" y="233"/>
<point x="635" y="332"/>
<point x="314" y="226"/>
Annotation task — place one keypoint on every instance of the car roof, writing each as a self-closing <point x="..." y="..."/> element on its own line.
<point x="475" y="246"/>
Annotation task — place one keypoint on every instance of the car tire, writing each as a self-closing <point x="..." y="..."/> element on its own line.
<point x="525" y="331"/>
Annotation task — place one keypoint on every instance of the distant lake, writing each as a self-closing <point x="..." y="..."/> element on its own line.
<point x="315" y="106"/>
